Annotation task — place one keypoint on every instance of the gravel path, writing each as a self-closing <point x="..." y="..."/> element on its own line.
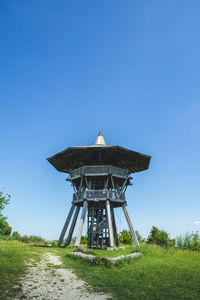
<point x="44" y="281"/>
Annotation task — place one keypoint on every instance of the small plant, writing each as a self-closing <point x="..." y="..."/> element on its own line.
<point x="83" y="239"/>
<point x="99" y="261"/>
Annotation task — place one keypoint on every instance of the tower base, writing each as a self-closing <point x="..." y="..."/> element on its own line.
<point x="98" y="230"/>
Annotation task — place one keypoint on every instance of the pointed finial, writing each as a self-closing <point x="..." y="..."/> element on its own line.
<point x="100" y="139"/>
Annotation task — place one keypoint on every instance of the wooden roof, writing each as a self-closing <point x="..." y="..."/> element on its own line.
<point x="75" y="157"/>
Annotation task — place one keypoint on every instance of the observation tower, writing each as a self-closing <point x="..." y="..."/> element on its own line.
<point x="100" y="175"/>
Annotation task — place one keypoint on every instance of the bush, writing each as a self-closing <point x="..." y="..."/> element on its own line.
<point x="140" y="238"/>
<point x="31" y="239"/>
<point x="16" y="235"/>
<point x="125" y="237"/>
<point x="189" y="241"/>
<point x="5" y="229"/>
<point x="172" y="242"/>
<point x="54" y="243"/>
<point x="158" y="237"/>
<point x="6" y="237"/>
<point x="83" y="239"/>
<point x="98" y="261"/>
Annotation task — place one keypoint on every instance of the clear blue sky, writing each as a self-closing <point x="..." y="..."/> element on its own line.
<point x="129" y="68"/>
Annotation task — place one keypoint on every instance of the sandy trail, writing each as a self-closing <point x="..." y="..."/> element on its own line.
<point x="42" y="281"/>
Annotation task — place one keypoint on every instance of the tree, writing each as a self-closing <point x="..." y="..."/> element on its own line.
<point x="16" y="235"/>
<point x="125" y="237"/>
<point x="4" y="200"/>
<point x="5" y="229"/>
<point x="159" y="237"/>
<point x="140" y="238"/>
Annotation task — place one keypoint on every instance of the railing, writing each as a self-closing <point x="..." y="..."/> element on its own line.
<point x="96" y="195"/>
<point x="98" y="170"/>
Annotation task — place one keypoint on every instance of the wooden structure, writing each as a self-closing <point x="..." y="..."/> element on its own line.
<point x="100" y="175"/>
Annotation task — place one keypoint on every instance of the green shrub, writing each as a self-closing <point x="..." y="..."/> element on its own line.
<point x="54" y="243"/>
<point x="189" y="241"/>
<point x="31" y="239"/>
<point x="83" y="239"/>
<point x="125" y="237"/>
<point x="5" y="229"/>
<point x="172" y="242"/>
<point x="158" y="237"/>
<point x="6" y="237"/>
<point x="140" y="238"/>
<point x="99" y="261"/>
<point x="16" y="235"/>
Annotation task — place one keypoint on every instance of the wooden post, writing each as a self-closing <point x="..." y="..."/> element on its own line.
<point x="72" y="226"/>
<point x="114" y="227"/>
<point x="80" y="228"/>
<point x="133" y="234"/>
<point x="66" y="225"/>
<point x="109" y="223"/>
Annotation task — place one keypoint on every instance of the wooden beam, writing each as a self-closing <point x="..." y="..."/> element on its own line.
<point x="133" y="234"/>
<point x="66" y="225"/>
<point x="72" y="226"/>
<point x="123" y="186"/>
<point x="80" y="228"/>
<point x="109" y="223"/>
<point x="114" y="227"/>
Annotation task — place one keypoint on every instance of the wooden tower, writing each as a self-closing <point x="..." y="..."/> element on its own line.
<point x="100" y="175"/>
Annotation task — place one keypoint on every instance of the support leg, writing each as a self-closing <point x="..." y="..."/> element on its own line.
<point x="109" y="223"/>
<point x="66" y="225"/>
<point x="134" y="236"/>
<point x="72" y="226"/>
<point x="80" y="228"/>
<point x="114" y="227"/>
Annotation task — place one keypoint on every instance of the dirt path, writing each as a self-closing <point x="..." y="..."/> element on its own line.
<point x="44" y="281"/>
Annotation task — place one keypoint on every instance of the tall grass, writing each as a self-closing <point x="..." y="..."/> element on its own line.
<point x="189" y="241"/>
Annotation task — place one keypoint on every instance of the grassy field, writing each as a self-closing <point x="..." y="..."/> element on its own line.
<point x="13" y="256"/>
<point x="158" y="274"/>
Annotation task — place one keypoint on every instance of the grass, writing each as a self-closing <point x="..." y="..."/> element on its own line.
<point x="158" y="274"/>
<point x="13" y="256"/>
